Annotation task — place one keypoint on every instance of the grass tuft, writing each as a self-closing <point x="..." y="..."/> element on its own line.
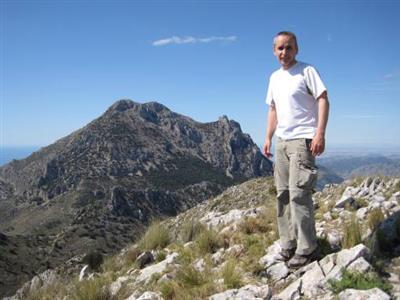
<point x="352" y="233"/>
<point x="208" y="242"/>
<point x="93" y="289"/>
<point x="191" y="230"/>
<point x="231" y="276"/>
<point x="375" y="217"/>
<point x="156" y="237"/>
<point x="358" y="281"/>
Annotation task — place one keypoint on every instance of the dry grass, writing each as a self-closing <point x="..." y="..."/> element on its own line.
<point x="208" y="241"/>
<point x="93" y="289"/>
<point x="53" y="291"/>
<point x="352" y="233"/>
<point x="375" y="217"/>
<point x="156" y="237"/>
<point x="231" y="275"/>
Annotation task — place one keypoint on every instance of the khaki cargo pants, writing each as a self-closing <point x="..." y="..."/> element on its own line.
<point x="295" y="177"/>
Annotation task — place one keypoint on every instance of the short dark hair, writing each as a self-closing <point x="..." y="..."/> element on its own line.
<point x="289" y="34"/>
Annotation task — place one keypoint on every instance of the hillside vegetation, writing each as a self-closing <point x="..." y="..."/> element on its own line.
<point x="226" y="248"/>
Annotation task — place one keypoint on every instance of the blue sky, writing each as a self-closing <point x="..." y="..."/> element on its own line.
<point x="63" y="63"/>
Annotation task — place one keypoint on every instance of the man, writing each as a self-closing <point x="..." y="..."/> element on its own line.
<point x="298" y="114"/>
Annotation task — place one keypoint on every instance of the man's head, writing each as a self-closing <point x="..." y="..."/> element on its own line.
<point x="285" y="48"/>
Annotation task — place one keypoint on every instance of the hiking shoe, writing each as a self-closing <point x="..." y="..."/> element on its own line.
<point x="287" y="254"/>
<point x="298" y="260"/>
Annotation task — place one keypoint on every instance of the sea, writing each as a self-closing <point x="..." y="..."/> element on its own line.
<point x="8" y="153"/>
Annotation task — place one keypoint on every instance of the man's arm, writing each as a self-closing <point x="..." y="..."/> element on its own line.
<point x="271" y="126"/>
<point x="318" y="142"/>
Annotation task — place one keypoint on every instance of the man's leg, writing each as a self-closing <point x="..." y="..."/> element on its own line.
<point x="281" y="174"/>
<point x="302" y="180"/>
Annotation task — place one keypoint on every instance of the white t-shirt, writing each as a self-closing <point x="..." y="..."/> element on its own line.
<point x="294" y="93"/>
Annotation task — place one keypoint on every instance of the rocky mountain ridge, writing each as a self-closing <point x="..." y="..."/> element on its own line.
<point x="226" y="248"/>
<point x="352" y="165"/>
<point x="99" y="187"/>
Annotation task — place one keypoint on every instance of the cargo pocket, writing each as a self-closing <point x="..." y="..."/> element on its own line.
<point x="307" y="176"/>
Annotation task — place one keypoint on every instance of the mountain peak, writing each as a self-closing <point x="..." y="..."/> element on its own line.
<point x="123" y="105"/>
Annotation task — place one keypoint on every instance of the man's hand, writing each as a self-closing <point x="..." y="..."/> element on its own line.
<point x="317" y="144"/>
<point x="267" y="149"/>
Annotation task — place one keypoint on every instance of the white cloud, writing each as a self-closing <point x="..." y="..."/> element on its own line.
<point x="329" y="38"/>
<point x="192" y="40"/>
<point x="390" y="76"/>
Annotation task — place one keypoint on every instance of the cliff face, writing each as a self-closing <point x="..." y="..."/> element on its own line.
<point x="98" y="187"/>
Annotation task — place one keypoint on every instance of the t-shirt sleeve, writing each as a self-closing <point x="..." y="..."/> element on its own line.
<point x="269" y="98"/>
<point x="314" y="82"/>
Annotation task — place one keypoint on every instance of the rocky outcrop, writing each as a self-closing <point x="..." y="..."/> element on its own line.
<point x="242" y="261"/>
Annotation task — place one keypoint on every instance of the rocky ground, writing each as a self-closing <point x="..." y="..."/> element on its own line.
<point x="227" y="248"/>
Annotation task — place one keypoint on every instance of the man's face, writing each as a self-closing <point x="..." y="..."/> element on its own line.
<point x="285" y="51"/>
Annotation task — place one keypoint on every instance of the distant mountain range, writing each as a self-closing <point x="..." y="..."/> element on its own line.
<point x="98" y="188"/>
<point x="347" y="166"/>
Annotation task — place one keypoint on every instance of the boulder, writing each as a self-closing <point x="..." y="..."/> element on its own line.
<point x="360" y="265"/>
<point x="347" y="256"/>
<point x="292" y="292"/>
<point x="277" y="271"/>
<point x="273" y="255"/>
<point x="347" y="197"/>
<point x="117" y="285"/>
<point x="144" y="259"/>
<point x="146" y="273"/>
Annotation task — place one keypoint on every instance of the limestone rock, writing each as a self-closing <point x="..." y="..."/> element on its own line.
<point x="372" y="294"/>
<point x="117" y="284"/>
<point x="292" y="292"/>
<point x="347" y="256"/>
<point x="347" y="197"/>
<point x="273" y="255"/>
<point x="248" y="292"/>
<point x="144" y="259"/>
<point x="214" y="219"/>
<point x="360" y="265"/>
<point x="146" y="273"/>
<point x="146" y="296"/>
<point x="277" y="271"/>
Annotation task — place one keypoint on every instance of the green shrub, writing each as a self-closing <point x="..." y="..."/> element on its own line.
<point x="358" y="281"/>
<point x="352" y="233"/>
<point x="231" y="276"/>
<point x="94" y="259"/>
<point x="208" y="242"/>
<point x="156" y="237"/>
